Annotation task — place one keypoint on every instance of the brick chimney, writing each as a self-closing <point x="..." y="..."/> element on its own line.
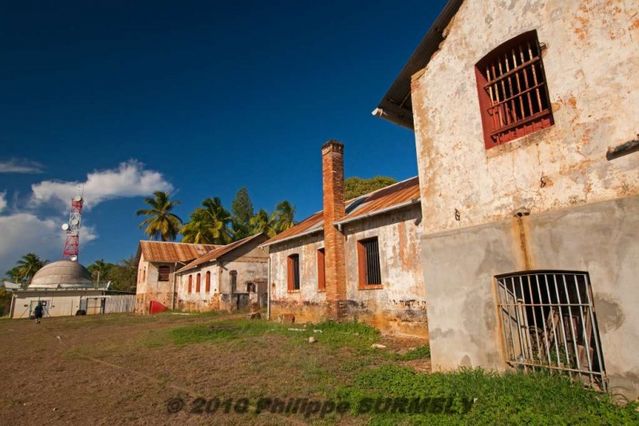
<point x="334" y="210"/>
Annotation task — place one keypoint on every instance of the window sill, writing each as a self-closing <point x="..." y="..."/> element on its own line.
<point x="321" y="290"/>
<point x="371" y="287"/>
<point x="293" y="291"/>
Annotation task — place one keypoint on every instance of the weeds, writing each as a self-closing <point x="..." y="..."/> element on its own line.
<point x="511" y="398"/>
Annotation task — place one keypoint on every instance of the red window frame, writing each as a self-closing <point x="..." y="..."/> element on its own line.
<point x="368" y="263"/>
<point x="293" y="272"/>
<point x="190" y="284"/>
<point x="208" y="282"/>
<point x="513" y="90"/>
<point x="321" y="270"/>
<point x="164" y="272"/>
<point x="197" y="283"/>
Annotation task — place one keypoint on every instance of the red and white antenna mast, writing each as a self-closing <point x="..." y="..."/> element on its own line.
<point x="72" y="228"/>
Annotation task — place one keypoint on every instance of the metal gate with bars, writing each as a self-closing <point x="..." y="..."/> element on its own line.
<point x="548" y="322"/>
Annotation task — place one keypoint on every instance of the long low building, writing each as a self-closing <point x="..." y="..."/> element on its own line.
<point x="64" y="288"/>
<point x="356" y="259"/>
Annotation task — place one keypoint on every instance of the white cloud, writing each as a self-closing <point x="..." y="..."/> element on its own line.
<point x="3" y="200"/>
<point x="16" y="165"/>
<point x="25" y="232"/>
<point x="129" y="179"/>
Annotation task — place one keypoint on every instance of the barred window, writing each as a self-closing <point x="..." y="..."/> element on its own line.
<point x="293" y="276"/>
<point x="513" y="93"/>
<point x="370" y="273"/>
<point x="321" y="270"/>
<point x="163" y="272"/>
<point x="233" y="282"/>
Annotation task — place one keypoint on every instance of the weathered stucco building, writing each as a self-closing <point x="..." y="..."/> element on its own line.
<point x="357" y="259"/>
<point x="157" y="263"/>
<point x="229" y="277"/>
<point x="525" y="119"/>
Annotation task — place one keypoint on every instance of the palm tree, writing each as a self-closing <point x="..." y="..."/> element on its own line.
<point x="208" y="224"/>
<point x="261" y="223"/>
<point x="100" y="270"/>
<point x="160" y="222"/>
<point x="26" y="268"/>
<point x="282" y="217"/>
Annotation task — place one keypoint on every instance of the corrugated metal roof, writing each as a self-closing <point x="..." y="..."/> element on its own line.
<point x="221" y="251"/>
<point x="391" y="196"/>
<point x="163" y="251"/>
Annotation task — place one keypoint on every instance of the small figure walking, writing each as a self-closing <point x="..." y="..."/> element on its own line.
<point x="37" y="312"/>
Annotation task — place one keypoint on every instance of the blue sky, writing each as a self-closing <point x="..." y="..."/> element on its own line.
<point x="197" y="97"/>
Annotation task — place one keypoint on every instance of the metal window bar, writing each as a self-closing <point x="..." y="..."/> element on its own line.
<point x="516" y="88"/>
<point x="373" y="270"/>
<point x="549" y="322"/>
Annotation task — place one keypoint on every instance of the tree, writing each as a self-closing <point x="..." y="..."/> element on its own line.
<point x="261" y="222"/>
<point x="282" y="217"/>
<point x="208" y="224"/>
<point x="100" y="270"/>
<point x="242" y="209"/>
<point x="26" y="268"/>
<point x="160" y="223"/>
<point x="355" y="186"/>
<point x="122" y="275"/>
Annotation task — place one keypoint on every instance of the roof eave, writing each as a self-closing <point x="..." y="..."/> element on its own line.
<point x="378" y="212"/>
<point x="396" y="105"/>
<point x="292" y="237"/>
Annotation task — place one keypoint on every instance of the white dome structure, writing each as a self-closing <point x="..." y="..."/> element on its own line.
<point x="62" y="274"/>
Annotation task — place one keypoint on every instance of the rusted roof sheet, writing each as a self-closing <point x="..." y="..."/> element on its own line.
<point x="311" y="224"/>
<point x="221" y="251"/>
<point x="162" y="251"/>
<point x="386" y="198"/>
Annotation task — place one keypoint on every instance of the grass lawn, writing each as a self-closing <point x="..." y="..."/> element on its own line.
<point x="225" y="369"/>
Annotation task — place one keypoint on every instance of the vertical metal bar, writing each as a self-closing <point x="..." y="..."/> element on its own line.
<point x="527" y="83"/>
<point x="503" y="90"/>
<point x="595" y="332"/>
<point x="492" y="98"/>
<point x="554" y="327"/>
<point x="520" y="96"/>
<point x="572" y="329"/>
<point x="543" y="320"/>
<point x="501" y="119"/>
<point x="517" y="319"/>
<point x="510" y="87"/>
<point x="532" y="306"/>
<point x="525" y="319"/>
<point x="561" y="321"/>
<point x="534" y="73"/>
<point x="583" y="328"/>
<point x="504" y="290"/>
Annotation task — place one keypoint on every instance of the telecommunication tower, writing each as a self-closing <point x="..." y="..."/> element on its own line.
<point x="72" y="228"/>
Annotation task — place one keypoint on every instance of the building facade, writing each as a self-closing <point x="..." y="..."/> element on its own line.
<point x="157" y="263"/>
<point x="229" y="278"/>
<point x="525" y="121"/>
<point x="357" y="259"/>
